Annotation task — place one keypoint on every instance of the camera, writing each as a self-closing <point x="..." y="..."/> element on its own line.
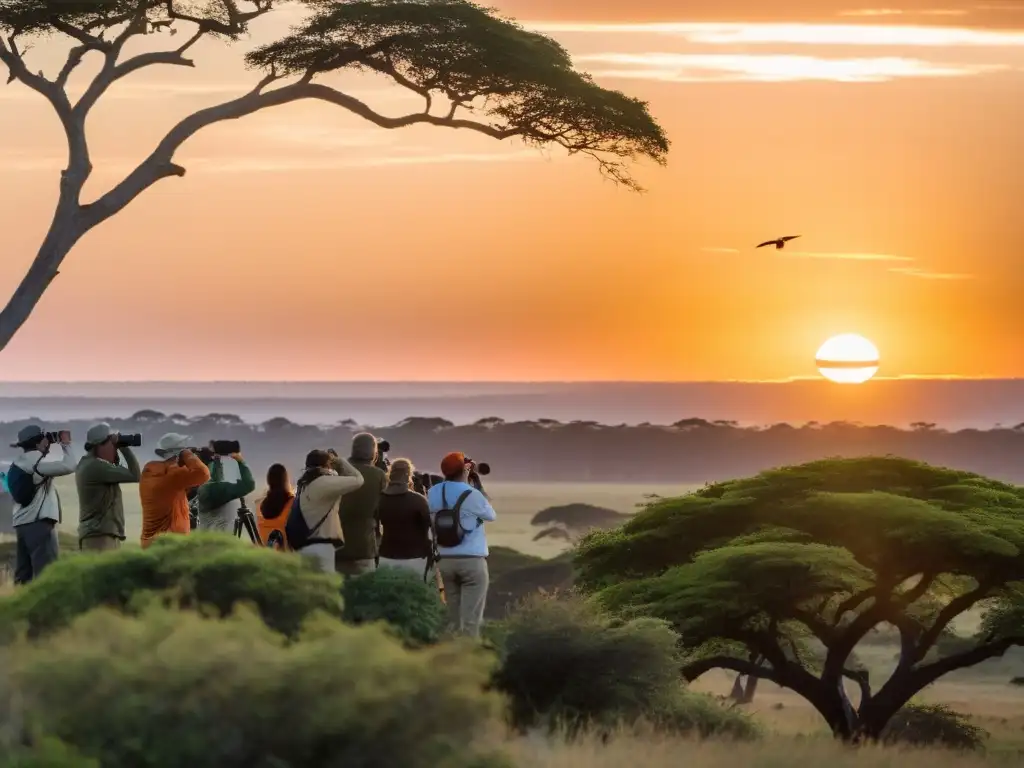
<point x="481" y="469"/>
<point x="55" y="437"/>
<point x="129" y="441"/>
<point x="424" y="481"/>
<point x="225" y="447"/>
<point x="383" y="446"/>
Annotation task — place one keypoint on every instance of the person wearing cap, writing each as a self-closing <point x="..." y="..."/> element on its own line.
<point x="35" y="524"/>
<point x="164" y="485"/>
<point x="99" y="477"/>
<point x="464" y="568"/>
<point x="359" y="510"/>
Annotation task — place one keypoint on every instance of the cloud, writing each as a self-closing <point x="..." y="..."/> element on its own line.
<point x="844" y="256"/>
<point x="715" y="249"/>
<point x="738" y="33"/>
<point x="926" y="275"/>
<point x="276" y="164"/>
<point x="685" y="68"/>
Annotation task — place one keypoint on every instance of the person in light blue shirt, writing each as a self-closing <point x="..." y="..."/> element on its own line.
<point x="463" y="568"/>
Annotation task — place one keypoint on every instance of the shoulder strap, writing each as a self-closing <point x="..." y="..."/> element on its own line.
<point x="458" y="508"/>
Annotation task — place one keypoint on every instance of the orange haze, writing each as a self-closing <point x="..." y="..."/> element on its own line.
<point x="305" y="244"/>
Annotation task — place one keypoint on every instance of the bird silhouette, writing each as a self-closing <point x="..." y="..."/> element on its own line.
<point x="780" y="243"/>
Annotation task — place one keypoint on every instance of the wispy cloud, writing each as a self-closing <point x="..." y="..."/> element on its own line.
<point x="278" y="164"/>
<point x="716" y="249"/>
<point x="686" y="67"/>
<point x="738" y="33"/>
<point x="844" y="256"/>
<point x="926" y="275"/>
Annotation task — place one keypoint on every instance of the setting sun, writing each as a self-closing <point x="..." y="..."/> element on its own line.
<point x="847" y="359"/>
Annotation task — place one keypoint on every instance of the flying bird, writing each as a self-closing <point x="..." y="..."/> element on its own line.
<point x="780" y="243"/>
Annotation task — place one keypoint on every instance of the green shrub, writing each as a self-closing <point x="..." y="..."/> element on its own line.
<point x="189" y="571"/>
<point x="697" y="714"/>
<point x="933" y="725"/>
<point x="48" y="753"/>
<point x="564" y="665"/>
<point x="170" y="688"/>
<point x="411" y="608"/>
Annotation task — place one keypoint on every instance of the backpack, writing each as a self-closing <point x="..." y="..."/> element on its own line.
<point x="21" y="485"/>
<point x="448" y="529"/>
<point x="296" y="530"/>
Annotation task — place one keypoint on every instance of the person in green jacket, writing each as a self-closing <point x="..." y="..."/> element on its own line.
<point x="98" y="477"/>
<point x="218" y="499"/>
<point x="360" y="511"/>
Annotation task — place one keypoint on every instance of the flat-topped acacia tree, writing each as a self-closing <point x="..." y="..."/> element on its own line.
<point x="780" y="576"/>
<point x="473" y="69"/>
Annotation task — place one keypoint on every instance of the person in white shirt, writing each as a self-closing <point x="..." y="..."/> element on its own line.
<point x="463" y="567"/>
<point x="35" y="522"/>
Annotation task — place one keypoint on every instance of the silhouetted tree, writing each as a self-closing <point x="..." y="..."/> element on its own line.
<point x="824" y="552"/>
<point x="514" y="83"/>
<point x="145" y="416"/>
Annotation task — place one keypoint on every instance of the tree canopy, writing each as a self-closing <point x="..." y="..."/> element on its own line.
<point x="756" y="573"/>
<point x="474" y="70"/>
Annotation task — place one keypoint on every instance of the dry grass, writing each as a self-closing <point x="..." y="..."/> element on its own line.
<point x="776" y="752"/>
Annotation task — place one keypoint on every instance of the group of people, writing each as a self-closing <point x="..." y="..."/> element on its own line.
<point x="359" y="513"/>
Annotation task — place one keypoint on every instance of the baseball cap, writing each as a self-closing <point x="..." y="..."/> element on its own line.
<point x="98" y="433"/>
<point x="453" y="463"/>
<point x="28" y="434"/>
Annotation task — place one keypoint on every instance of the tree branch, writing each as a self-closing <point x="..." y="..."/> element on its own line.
<point x="159" y="165"/>
<point x="926" y="675"/>
<point x="693" y="670"/>
<point x="863" y="679"/>
<point x="953" y="608"/>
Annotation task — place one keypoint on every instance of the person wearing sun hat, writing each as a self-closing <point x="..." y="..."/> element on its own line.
<point x="99" y="477"/>
<point x="463" y="567"/>
<point x="164" y="486"/>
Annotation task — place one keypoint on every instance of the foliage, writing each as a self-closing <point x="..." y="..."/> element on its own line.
<point x="398" y="597"/>
<point x="175" y="689"/>
<point x="823" y="552"/>
<point x="44" y="753"/>
<point x="189" y="571"/>
<point x="564" y="665"/>
<point x="930" y="725"/>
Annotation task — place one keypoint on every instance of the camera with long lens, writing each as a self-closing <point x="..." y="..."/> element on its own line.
<point x="383" y="462"/>
<point x="55" y="437"/>
<point x="424" y="481"/>
<point x="129" y="441"/>
<point x="225" y="447"/>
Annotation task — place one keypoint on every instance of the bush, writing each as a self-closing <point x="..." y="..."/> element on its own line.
<point x="704" y="716"/>
<point x="564" y="665"/>
<point x="170" y="688"/>
<point x="48" y="753"/>
<point x="411" y="608"/>
<point x="928" y="725"/>
<point x="189" y="571"/>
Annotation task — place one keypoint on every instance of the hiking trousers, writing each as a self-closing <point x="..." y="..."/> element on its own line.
<point x="465" y="588"/>
<point x="37" y="547"/>
<point x="104" y="543"/>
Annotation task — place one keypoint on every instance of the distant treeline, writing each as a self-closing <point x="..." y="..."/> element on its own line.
<point x="689" y="451"/>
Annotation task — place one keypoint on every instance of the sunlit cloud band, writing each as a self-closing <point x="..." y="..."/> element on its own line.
<point x="685" y="67"/>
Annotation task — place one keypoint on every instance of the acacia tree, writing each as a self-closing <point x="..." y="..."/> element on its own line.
<point x="757" y="574"/>
<point x="473" y="69"/>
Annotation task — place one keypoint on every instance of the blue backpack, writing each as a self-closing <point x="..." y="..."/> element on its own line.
<point x="21" y="485"/>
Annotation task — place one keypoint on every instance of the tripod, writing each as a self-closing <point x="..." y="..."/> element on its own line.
<point x="246" y="519"/>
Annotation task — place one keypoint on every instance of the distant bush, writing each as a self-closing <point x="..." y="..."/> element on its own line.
<point x="411" y="608"/>
<point x="933" y="725"/>
<point x="187" y="571"/>
<point x="564" y="665"/>
<point x="48" y="753"/>
<point x="170" y="688"/>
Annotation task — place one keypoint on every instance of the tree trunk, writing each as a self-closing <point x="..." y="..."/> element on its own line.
<point x="65" y="231"/>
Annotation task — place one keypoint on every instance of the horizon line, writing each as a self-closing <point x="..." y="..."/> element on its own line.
<point x="784" y="380"/>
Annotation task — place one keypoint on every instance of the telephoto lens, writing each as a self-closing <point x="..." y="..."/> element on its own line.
<point x="225" y="447"/>
<point x="383" y="445"/>
<point x="129" y="441"/>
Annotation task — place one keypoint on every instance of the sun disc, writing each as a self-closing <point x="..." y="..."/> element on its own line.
<point x="847" y="359"/>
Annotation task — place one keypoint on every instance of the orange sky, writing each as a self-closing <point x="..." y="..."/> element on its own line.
<point x="305" y="244"/>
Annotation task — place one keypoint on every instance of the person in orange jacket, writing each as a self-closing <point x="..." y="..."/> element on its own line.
<point x="164" y="485"/>
<point x="273" y="509"/>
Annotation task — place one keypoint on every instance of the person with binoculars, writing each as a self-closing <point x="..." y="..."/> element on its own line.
<point x="98" y="477"/>
<point x="218" y="500"/>
<point x="37" y="509"/>
<point x="163" y="488"/>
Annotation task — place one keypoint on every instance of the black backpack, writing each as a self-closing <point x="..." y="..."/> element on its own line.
<point x="296" y="530"/>
<point x="448" y="529"/>
<point x="21" y="485"/>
